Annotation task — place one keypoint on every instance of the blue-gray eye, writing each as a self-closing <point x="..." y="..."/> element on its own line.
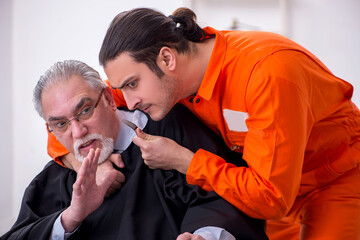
<point x="85" y="111"/>
<point x="61" y="124"/>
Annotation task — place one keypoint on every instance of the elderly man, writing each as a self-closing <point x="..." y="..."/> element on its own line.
<point x="79" y="109"/>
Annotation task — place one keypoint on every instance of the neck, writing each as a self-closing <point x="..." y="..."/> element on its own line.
<point x="71" y="162"/>
<point x="116" y="126"/>
<point x="192" y="66"/>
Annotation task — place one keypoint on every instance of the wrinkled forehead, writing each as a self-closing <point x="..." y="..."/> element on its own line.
<point x="62" y="99"/>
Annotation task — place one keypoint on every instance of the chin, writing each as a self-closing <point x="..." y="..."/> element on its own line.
<point x="104" y="154"/>
<point x="107" y="147"/>
<point x="159" y="115"/>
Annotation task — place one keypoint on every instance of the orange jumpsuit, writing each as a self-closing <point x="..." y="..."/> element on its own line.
<point x="297" y="128"/>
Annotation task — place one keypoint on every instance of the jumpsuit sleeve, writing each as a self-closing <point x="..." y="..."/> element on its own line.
<point x="55" y="149"/>
<point x="279" y="125"/>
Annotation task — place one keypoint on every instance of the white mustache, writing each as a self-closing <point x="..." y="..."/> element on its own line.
<point x="107" y="146"/>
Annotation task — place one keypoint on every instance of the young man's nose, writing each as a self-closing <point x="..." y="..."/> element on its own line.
<point x="132" y="102"/>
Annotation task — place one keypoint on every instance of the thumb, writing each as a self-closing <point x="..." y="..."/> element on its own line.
<point x="142" y="139"/>
<point x="142" y="134"/>
<point x="108" y="180"/>
<point x="117" y="160"/>
<point x="184" y="236"/>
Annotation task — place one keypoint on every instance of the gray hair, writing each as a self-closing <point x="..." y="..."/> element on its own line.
<point x="63" y="71"/>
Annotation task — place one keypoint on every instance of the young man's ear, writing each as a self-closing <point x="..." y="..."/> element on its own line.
<point x="166" y="59"/>
<point x="109" y="98"/>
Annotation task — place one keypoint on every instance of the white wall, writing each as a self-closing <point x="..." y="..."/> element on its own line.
<point x="35" y="34"/>
<point x="250" y="14"/>
<point x="331" y="30"/>
<point x="6" y="123"/>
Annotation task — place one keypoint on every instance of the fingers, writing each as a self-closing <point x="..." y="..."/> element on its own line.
<point x="108" y="177"/>
<point x="93" y="157"/>
<point x="87" y="171"/>
<point x="143" y="140"/>
<point x="85" y="165"/>
<point x="77" y="186"/>
<point x="105" y="185"/>
<point x="81" y="176"/>
<point x="120" y="178"/>
<point x="184" y="236"/>
<point x="142" y="134"/>
<point x="116" y="185"/>
<point x="139" y="132"/>
<point x="110" y="191"/>
<point x="189" y="236"/>
<point x="117" y="160"/>
<point x="148" y="163"/>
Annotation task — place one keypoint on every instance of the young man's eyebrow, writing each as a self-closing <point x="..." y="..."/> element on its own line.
<point x="74" y="111"/>
<point x="124" y="83"/>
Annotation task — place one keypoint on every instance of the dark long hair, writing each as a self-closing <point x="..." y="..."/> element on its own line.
<point x="142" y="32"/>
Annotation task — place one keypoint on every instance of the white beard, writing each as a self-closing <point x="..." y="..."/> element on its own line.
<point x="107" y="146"/>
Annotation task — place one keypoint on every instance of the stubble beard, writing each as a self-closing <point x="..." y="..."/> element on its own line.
<point x="106" y="150"/>
<point x="171" y="96"/>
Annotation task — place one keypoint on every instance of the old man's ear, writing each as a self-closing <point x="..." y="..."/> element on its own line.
<point x="109" y="98"/>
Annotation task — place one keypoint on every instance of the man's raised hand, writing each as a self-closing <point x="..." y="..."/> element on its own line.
<point x="88" y="191"/>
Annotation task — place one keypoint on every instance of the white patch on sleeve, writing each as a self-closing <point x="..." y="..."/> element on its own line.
<point x="236" y="120"/>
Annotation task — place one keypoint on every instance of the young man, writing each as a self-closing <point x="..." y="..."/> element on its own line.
<point x="268" y="98"/>
<point x="80" y="111"/>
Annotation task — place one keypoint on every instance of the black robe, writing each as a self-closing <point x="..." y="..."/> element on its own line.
<point x="151" y="204"/>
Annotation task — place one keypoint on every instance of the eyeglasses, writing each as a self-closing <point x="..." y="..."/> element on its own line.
<point x="84" y="114"/>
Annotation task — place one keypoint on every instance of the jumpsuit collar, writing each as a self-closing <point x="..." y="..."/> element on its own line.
<point x="215" y="64"/>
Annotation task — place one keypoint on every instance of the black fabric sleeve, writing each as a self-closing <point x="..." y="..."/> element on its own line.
<point x="42" y="203"/>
